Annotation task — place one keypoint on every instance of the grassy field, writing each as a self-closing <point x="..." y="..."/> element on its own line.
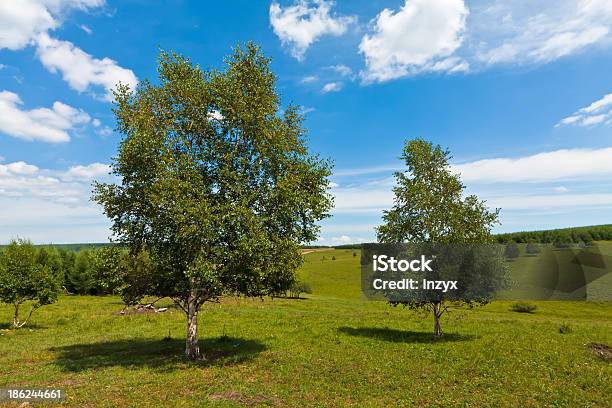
<point x="331" y="349"/>
<point x="569" y="268"/>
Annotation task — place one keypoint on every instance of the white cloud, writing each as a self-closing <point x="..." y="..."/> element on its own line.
<point x="332" y="87"/>
<point x="419" y="37"/>
<point x="443" y="36"/>
<point x="51" y="205"/>
<point x="80" y="69"/>
<point x="342" y="69"/>
<point x="366" y="170"/>
<point x="30" y="22"/>
<point x="565" y="164"/>
<point x="596" y="112"/>
<point x="345" y="239"/>
<point x="104" y="131"/>
<point x="309" y="79"/>
<point x="44" y="124"/>
<point x="361" y="199"/>
<point x="21" y="179"/>
<point x="19" y="168"/>
<point x="583" y="165"/>
<point x="96" y="122"/>
<point x="301" y="24"/>
<point x="540" y="31"/>
<point x="86" y="173"/>
<point x="85" y="28"/>
<point x="530" y="202"/>
<point x="21" y="24"/>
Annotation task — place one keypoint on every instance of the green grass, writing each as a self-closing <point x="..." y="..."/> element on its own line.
<point x="331" y="349"/>
<point x="575" y="266"/>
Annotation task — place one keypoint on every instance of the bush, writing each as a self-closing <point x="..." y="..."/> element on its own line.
<point x="354" y="254"/>
<point x="24" y="279"/>
<point x="523" y="307"/>
<point x="532" y="248"/>
<point x="106" y="271"/>
<point x="81" y="276"/>
<point x="565" y="329"/>
<point x="333" y="258"/>
<point x="298" y="288"/>
<point x="512" y="250"/>
<point x="562" y="244"/>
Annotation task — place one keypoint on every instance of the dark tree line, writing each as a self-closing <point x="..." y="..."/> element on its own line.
<point x="560" y="236"/>
<point x="101" y="270"/>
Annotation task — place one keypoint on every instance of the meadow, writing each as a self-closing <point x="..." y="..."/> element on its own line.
<point x="331" y="348"/>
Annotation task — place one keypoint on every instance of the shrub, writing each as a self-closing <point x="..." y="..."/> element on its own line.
<point x="523" y="307"/>
<point x="512" y="250"/>
<point x="354" y="254"/>
<point x="333" y="258"/>
<point x="24" y="279"/>
<point x="532" y="248"/>
<point x="565" y="329"/>
<point x="106" y="271"/>
<point x="81" y="277"/>
<point x="298" y="288"/>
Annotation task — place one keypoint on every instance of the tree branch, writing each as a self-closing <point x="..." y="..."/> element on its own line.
<point x="179" y="304"/>
<point x="34" y="307"/>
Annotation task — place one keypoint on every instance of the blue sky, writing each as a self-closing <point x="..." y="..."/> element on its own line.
<point x="519" y="91"/>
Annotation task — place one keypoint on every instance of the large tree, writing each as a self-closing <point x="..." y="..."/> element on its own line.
<point x="430" y="207"/>
<point x="217" y="184"/>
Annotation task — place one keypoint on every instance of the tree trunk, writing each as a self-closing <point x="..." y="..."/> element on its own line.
<point x="16" y="317"/>
<point x="437" y="313"/>
<point x="192" y="349"/>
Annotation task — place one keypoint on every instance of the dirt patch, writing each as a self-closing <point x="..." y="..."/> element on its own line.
<point x="601" y="350"/>
<point x="242" y="399"/>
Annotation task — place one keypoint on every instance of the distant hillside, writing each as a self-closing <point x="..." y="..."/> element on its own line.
<point x="76" y="247"/>
<point x="565" y="235"/>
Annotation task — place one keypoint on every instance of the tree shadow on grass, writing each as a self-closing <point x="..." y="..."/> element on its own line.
<point x="162" y="355"/>
<point x="402" y="336"/>
<point x="7" y="326"/>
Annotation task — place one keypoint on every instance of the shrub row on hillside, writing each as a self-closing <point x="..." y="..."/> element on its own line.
<point x="566" y="235"/>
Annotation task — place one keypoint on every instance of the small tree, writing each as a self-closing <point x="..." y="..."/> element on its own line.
<point x="430" y="207"/>
<point x="532" y="248"/>
<point x="136" y="272"/>
<point x="106" y="269"/>
<point x="23" y="279"/>
<point x="67" y="258"/>
<point x="81" y="276"/>
<point x="218" y="187"/>
<point x="298" y="288"/>
<point x="512" y="250"/>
